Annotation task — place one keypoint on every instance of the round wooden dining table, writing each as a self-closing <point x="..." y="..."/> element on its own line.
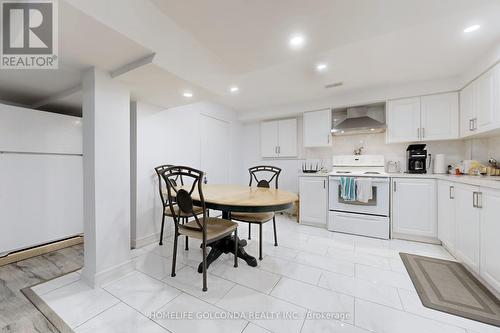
<point x="239" y="198"/>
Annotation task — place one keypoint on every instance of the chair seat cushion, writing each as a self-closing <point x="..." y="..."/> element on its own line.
<point x="252" y="217"/>
<point x="216" y="228"/>
<point x="168" y="212"/>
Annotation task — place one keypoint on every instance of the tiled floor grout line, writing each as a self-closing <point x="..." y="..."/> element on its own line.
<point x="400" y="300"/>
<point x="277" y="282"/>
<point x="282" y="278"/>
<point x="109" y="307"/>
<point x="291" y="278"/>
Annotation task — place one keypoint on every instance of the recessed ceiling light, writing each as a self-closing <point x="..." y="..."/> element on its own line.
<point x="321" y="67"/>
<point x="297" y="41"/>
<point x="472" y="28"/>
<point x="187" y="94"/>
<point x="372" y="129"/>
<point x="234" y="89"/>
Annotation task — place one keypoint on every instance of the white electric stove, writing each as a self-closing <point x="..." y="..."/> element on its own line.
<point x="360" y="218"/>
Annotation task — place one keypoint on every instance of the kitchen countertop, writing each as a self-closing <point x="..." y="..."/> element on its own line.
<point x="485" y="181"/>
<point x="317" y="174"/>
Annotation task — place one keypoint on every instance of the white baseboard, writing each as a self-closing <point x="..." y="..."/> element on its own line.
<point x="108" y="275"/>
<point x="150" y="239"/>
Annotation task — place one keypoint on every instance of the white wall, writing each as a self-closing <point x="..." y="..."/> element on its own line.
<point x="170" y="136"/>
<point x="40" y="177"/>
<point x="342" y="145"/>
<point x="106" y="176"/>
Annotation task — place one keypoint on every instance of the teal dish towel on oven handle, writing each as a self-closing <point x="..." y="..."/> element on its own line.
<point x="348" y="188"/>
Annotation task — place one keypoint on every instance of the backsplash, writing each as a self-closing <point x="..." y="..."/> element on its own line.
<point x="483" y="149"/>
<point x="374" y="144"/>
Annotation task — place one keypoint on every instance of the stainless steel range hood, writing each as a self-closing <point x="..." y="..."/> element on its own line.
<point x="364" y="119"/>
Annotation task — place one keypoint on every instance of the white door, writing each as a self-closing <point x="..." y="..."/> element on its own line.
<point x="403" y="120"/>
<point x="313" y="194"/>
<point x="269" y="138"/>
<point x="317" y="128"/>
<point x="287" y="138"/>
<point x="490" y="231"/>
<point x="446" y="214"/>
<point x="439" y="115"/>
<point x="467" y="113"/>
<point x="467" y="219"/>
<point x="486" y="99"/>
<point x="414" y="207"/>
<point x="215" y="150"/>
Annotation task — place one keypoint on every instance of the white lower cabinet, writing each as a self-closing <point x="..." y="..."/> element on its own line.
<point x="468" y="227"/>
<point x="313" y="196"/>
<point x="489" y="202"/>
<point x="414" y="210"/>
<point x="446" y="214"/>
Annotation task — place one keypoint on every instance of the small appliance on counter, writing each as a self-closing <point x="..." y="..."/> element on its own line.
<point x="440" y="166"/>
<point x="416" y="156"/>
<point x="393" y="167"/>
<point x="311" y="166"/>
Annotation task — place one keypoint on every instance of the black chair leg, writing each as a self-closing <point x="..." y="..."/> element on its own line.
<point x="236" y="248"/>
<point x="274" y="227"/>
<point x="249" y="231"/>
<point x="174" y="258"/>
<point x="260" y="241"/>
<point x="161" y="232"/>
<point x="204" y="265"/>
<point x="187" y="239"/>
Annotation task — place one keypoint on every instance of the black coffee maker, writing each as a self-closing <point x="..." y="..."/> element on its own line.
<point x="416" y="156"/>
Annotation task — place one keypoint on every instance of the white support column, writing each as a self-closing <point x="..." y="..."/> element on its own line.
<point x="106" y="177"/>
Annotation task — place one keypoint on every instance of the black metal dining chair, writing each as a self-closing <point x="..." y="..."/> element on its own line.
<point x="162" y="188"/>
<point x="258" y="174"/>
<point x="207" y="229"/>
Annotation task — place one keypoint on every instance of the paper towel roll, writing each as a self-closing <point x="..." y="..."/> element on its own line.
<point x="440" y="164"/>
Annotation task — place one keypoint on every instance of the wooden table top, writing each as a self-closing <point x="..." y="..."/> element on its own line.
<point x="239" y="198"/>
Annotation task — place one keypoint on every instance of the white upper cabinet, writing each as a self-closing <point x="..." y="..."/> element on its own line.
<point x="426" y="118"/>
<point x="467" y="111"/>
<point x="317" y="128"/>
<point x="403" y="120"/>
<point x="480" y="104"/>
<point x="269" y="138"/>
<point x="278" y="138"/>
<point x="487" y="101"/>
<point x="439" y="117"/>
<point x="287" y="138"/>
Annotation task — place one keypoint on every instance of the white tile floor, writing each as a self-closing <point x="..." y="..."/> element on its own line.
<point x="312" y="274"/>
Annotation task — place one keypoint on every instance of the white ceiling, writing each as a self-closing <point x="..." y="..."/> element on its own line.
<point x="365" y="43"/>
<point x="207" y="46"/>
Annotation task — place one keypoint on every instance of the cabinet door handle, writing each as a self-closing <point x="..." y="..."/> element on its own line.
<point x="474" y="124"/>
<point x="328" y="139"/>
<point x="423" y="132"/>
<point x="418" y="133"/>
<point x="474" y="199"/>
<point x="471" y="125"/>
<point x="324" y="184"/>
<point x="452" y="192"/>
<point x="394" y="186"/>
<point x="279" y="149"/>
<point x="479" y="200"/>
